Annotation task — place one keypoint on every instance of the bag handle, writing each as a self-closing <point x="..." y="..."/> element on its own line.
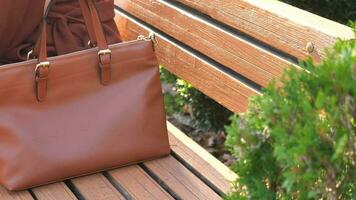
<point x="93" y="20"/>
<point x="104" y="54"/>
<point x="88" y="23"/>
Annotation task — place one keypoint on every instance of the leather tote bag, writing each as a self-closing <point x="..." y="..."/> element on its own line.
<point x="80" y="113"/>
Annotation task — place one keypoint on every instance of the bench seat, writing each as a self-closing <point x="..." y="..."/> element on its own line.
<point x="189" y="172"/>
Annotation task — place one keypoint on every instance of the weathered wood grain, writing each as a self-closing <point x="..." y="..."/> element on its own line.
<point x="278" y="24"/>
<point x="202" y="161"/>
<point x="7" y="195"/>
<point x="219" y="85"/>
<point x="96" y="187"/>
<point x="185" y="184"/>
<point x="138" y="184"/>
<point x="242" y="56"/>
<point x="54" y="191"/>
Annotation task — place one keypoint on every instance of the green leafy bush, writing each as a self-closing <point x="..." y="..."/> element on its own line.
<point x="173" y="103"/>
<point x="207" y="113"/>
<point x="338" y="10"/>
<point x="210" y="115"/>
<point x="299" y="141"/>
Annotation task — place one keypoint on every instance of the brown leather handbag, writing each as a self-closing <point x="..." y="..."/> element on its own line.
<point x="80" y="113"/>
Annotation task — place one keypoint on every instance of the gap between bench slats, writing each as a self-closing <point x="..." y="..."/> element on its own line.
<point x="138" y="183"/>
<point x="227" y="48"/>
<point x="54" y="192"/>
<point x="208" y="78"/>
<point x="96" y="187"/>
<point x="135" y="182"/>
<point x="7" y="195"/>
<point x="193" y="155"/>
<point x="132" y="182"/>
<point x="177" y="177"/>
<point x="275" y="23"/>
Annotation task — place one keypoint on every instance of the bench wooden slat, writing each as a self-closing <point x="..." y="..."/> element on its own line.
<point x="139" y="184"/>
<point x="54" y="192"/>
<point x="178" y="178"/>
<point x="202" y="161"/>
<point x="222" y="87"/>
<point x="96" y="187"/>
<point x="240" y="55"/>
<point x="278" y="24"/>
<point x="7" y="195"/>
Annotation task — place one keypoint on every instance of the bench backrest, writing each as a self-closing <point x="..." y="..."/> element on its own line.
<point x="229" y="49"/>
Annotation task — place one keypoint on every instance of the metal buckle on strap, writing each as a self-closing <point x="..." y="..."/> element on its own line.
<point x="41" y="80"/>
<point x="29" y="55"/>
<point x="91" y="44"/>
<point x="104" y="52"/>
<point x="105" y="68"/>
<point x="42" y="65"/>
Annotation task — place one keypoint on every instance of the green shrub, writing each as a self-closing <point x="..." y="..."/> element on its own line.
<point x="210" y="115"/>
<point x="338" y="10"/>
<point x="207" y="113"/>
<point x="298" y="141"/>
<point x="173" y="102"/>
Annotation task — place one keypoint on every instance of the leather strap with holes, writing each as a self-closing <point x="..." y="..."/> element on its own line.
<point x="104" y="54"/>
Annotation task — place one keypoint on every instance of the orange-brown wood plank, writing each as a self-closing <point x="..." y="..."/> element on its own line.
<point x="7" y="195"/>
<point x="278" y="24"/>
<point x="180" y="180"/>
<point x="222" y="87"/>
<point x="56" y="191"/>
<point x="96" y="187"/>
<point x="249" y="60"/>
<point x="201" y="160"/>
<point x="138" y="184"/>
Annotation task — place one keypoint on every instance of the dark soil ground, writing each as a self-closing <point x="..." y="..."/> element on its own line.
<point x="213" y="142"/>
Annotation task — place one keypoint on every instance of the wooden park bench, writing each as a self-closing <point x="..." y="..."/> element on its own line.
<point x="229" y="50"/>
